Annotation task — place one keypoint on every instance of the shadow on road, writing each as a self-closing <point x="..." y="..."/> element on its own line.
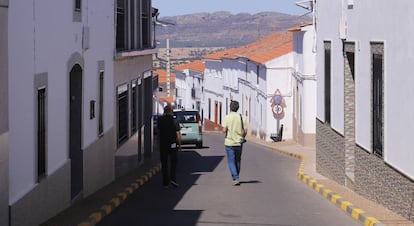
<point x="250" y="182"/>
<point x="154" y="205"/>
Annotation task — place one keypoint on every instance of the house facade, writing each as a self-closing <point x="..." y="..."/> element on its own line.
<point x="60" y="105"/>
<point x="189" y="81"/>
<point x="304" y="84"/>
<point x="4" y="112"/>
<point x="363" y="118"/>
<point x="253" y="75"/>
<point x="133" y="81"/>
<point x="70" y="89"/>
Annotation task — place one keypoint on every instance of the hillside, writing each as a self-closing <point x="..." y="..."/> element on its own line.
<point x="223" y="29"/>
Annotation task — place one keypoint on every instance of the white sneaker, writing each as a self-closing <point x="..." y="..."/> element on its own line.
<point x="236" y="183"/>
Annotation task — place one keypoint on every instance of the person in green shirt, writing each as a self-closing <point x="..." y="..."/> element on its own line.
<point x="235" y="128"/>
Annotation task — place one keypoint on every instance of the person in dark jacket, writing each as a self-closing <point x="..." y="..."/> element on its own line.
<point x="170" y="144"/>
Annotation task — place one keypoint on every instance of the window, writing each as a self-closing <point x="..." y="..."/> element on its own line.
<point x="123" y="110"/>
<point x="101" y="102"/>
<point x="78" y="5"/>
<point x="220" y="111"/>
<point x="41" y="132"/>
<point x="134" y="100"/>
<point x="377" y="98"/>
<point x="133" y="24"/>
<point x="227" y="105"/>
<point x="146" y="23"/>
<point x="209" y="109"/>
<point x="77" y="8"/>
<point x="120" y="24"/>
<point x="327" y="71"/>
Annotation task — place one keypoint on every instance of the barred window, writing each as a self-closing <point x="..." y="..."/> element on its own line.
<point x="377" y="64"/>
<point x="327" y="71"/>
<point x="41" y="132"/>
<point x="133" y="24"/>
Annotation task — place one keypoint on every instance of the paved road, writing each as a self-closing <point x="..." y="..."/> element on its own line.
<point x="269" y="193"/>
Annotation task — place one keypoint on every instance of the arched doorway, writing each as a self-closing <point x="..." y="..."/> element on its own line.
<point x="75" y="130"/>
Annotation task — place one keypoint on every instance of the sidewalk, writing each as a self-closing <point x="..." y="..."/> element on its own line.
<point x="92" y="209"/>
<point x="356" y="206"/>
<point x="95" y="207"/>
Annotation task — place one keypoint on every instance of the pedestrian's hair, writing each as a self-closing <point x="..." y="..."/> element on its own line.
<point x="234" y="105"/>
<point x="168" y="109"/>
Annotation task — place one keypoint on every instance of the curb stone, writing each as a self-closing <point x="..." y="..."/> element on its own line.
<point x="348" y="207"/>
<point x="116" y="201"/>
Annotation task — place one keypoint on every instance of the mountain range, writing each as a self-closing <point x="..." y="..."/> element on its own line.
<point x="223" y="29"/>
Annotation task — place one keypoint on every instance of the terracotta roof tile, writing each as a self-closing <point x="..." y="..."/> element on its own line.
<point x="162" y="76"/>
<point x="298" y="28"/>
<point x="261" y="51"/>
<point x="195" y="66"/>
<point x="167" y="99"/>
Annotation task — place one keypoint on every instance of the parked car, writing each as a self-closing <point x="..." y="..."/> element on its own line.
<point x="191" y="128"/>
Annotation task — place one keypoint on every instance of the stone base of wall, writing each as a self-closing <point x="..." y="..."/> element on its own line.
<point x="381" y="183"/>
<point x="374" y="179"/>
<point x="305" y="139"/>
<point x="48" y="198"/>
<point x="330" y="154"/>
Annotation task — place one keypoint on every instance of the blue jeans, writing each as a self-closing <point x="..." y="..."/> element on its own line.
<point x="234" y="159"/>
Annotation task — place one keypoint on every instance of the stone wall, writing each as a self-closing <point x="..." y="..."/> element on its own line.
<point x="379" y="182"/>
<point x="374" y="178"/>
<point x="330" y="156"/>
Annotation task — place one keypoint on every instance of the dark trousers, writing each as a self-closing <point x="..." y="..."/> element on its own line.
<point x="168" y="165"/>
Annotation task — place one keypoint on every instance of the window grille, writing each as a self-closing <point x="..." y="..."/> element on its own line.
<point x="101" y="103"/>
<point x="327" y="71"/>
<point x="41" y="132"/>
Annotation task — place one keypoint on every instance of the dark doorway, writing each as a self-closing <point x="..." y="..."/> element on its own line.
<point x="75" y="130"/>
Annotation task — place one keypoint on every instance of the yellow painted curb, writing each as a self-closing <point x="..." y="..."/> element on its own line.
<point x="106" y="209"/>
<point x="356" y="212"/>
<point x="334" y="198"/>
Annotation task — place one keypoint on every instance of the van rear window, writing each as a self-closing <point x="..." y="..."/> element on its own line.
<point x="186" y="116"/>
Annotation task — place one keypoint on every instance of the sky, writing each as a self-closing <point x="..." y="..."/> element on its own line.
<point x="182" y="7"/>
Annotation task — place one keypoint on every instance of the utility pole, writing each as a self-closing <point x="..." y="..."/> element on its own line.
<point x="168" y="68"/>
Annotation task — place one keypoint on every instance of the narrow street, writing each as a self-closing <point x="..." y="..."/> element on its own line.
<point x="269" y="193"/>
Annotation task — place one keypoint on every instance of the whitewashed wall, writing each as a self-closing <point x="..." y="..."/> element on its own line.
<point x="184" y="81"/>
<point x="181" y="85"/>
<point x="330" y="32"/>
<point x="237" y="80"/>
<point x="213" y="87"/>
<point x="398" y="91"/>
<point x="304" y="58"/>
<point x="367" y="23"/>
<point x="43" y="41"/>
<point x="279" y="76"/>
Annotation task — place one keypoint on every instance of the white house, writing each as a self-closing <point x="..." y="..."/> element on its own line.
<point x="304" y="84"/>
<point x="188" y="83"/>
<point x="72" y="74"/>
<point x="253" y="75"/>
<point x="364" y="112"/>
<point x="60" y="66"/>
